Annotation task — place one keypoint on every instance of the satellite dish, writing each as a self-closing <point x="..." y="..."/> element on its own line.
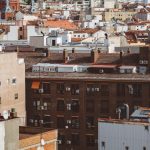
<point x="5" y="114"/>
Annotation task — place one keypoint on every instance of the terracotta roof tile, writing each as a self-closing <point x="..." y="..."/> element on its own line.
<point x="65" y="24"/>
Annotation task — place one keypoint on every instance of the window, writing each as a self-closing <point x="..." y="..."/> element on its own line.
<point x="120" y="89"/>
<point x="60" y="122"/>
<point x="104" y="90"/>
<point x="61" y="138"/>
<point x="60" y="88"/>
<point x="135" y="90"/>
<point x="47" y="121"/>
<point x="90" y="140"/>
<point x="36" y="120"/>
<point x="90" y="106"/>
<point x="75" y="89"/>
<point x="21" y="37"/>
<point x="16" y="95"/>
<point x="14" y="81"/>
<point x="75" y="139"/>
<point x="46" y="87"/>
<point x="60" y="105"/>
<point x="75" y="106"/>
<point x="90" y="122"/>
<point x="20" y="28"/>
<point x="104" y="107"/>
<point x="75" y="122"/>
<point x="47" y="103"/>
<point x="92" y="89"/>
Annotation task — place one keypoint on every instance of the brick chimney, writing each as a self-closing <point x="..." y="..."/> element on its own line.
<point x="65" y="56"/>
<point x="94" y="56"/>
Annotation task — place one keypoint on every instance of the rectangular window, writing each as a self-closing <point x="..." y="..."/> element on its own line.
<point x="90" y="140"/>
<point x="60" y="122"/>
<point x="14" y="81"/>
<point x="60" y="105"/>
<point x="90" y="106"/>
<point x="47" y="104"/>
<point x="16" y="95"/>
<point x="104" y="107"/>
<point x="61" y="138"/>
<point x="104" y="90"/>
<point x="60" y="88"/>
<point x="92" y="89"/>
<point x="75" y="139"/>
<point x="90" y="122"/>
<point x="47" y="121"/>
<point x="120" y="89"/>
<point x="20" y="28"/>
<point x="75" y="89"/>
<point x="75" y="106"/>
<point x="135" y="90"/>
<point x="46" y="87"/>
<point x="75" y="122"/>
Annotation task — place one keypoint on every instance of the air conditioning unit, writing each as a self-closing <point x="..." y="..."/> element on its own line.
<point x="68" y="121"/>
<point x="101" y="71"/>
<point x="59" y="141"/>
<point x="130" y="87"/>
<point x="68" y="142"/>
<point x="97" y="89"/>
<point x="68" y="106"/>
<point x="68" y="89"/>
<point x="41" y="90"/>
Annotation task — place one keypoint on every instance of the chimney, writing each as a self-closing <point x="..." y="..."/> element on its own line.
<point x="94" y="56"/>
<point x="65" y="56"/>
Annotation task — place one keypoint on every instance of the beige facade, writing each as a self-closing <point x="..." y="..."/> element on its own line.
<point x="118" y="14"/>
<point x="12" y="84"/>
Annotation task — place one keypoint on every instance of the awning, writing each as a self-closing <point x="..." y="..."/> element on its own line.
<point x="35" y="85"/>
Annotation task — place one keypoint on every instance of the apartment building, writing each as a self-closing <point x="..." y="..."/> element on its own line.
<point x="117" y="14"/>
<point x="73" y="101"/>
<point x="12" y="84"/>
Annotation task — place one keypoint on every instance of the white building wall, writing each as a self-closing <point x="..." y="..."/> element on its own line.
<point x="31" y="32"/>
<point x="12" y="34"/>
<point x="2" y="135"/>
<point x="118" y="136"/>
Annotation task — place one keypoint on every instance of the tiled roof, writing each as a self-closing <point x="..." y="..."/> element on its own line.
<point x="65" y="24"/>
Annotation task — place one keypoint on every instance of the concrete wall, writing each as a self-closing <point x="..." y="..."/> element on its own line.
<point x="11" y="69"/>
<point x="12" y="134"/>
<point x="9" y="137"/>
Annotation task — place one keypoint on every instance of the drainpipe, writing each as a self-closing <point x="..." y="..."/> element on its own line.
<point x="127" y="110"/>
